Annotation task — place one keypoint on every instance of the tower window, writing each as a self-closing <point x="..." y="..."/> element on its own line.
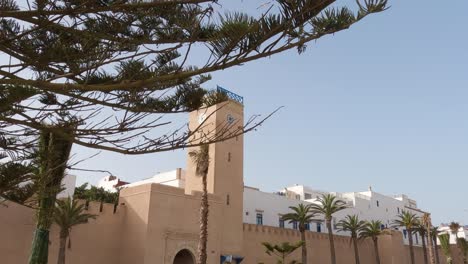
<point x="229" y="156"/>
<point x="227" y="199"/>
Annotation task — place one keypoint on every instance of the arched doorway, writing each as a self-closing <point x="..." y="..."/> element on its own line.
<point x="184" y="257"/>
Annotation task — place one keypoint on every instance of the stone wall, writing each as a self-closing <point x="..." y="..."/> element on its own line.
<point x="153" y="222"/>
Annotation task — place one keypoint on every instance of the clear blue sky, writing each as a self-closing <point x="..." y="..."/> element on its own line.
<point x="382" y="104"/>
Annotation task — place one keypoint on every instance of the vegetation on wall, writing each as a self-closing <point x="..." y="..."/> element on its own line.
<point x="282" y="251"/>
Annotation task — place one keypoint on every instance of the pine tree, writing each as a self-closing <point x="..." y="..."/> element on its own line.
<point x="106" y="74"/>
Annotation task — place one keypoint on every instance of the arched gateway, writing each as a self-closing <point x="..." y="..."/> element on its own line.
<point x="184" y="257"/>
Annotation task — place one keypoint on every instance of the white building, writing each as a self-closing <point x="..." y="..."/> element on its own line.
<point x="445" y="229"/>
<point x="264" y="208"/>
<point x="175" y="178"/>
<point x="267" y="208"/>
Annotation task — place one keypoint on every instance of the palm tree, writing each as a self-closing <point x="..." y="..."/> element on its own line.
<point x="303" y="215"/>
<point x="201" y="158"/>
<point x="434" y="232"/>
<point x="422" y="231"/>
<point x="426" y="222"/>
<point x="410" y="222"/>
<point x="282" y="251"/>
<point x="445" y="245"/>
<point x="372" y="230"/>
<point x="67" y="214"/>
<point x="328" y="205"/>
<point x="353" y="225"/>
<point x="454" y="228"/>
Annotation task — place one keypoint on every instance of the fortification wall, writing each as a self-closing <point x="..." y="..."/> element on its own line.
<point x="95" y="242"/>
<point x="391" y="247"/>
<point x="154" y="222"/>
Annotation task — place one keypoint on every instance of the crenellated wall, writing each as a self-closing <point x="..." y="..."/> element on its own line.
<point x="154" y="234"/>
<point x="391" y="247"/>
<point x="94" y="242"/>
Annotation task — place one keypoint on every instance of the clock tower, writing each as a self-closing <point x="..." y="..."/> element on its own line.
<point x="225" y="175"/>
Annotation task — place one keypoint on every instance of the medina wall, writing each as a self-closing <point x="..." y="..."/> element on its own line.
<point x="94" y="242"/>
<point x="391" y="247"/>
<point x="153" y="222"/>
<point x="151" y="225"/>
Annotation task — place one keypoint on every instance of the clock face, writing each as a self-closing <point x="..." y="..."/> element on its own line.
<point x="230" y="119"/>
<point x="201" y="118"/>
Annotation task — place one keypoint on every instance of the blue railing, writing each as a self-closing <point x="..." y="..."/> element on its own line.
<point x="230" y="95"/>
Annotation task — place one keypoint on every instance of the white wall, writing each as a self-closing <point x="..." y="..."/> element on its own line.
<point x="462" y="233"/>
<point x="175" y="178"/>
<point x="68" y="184"/>
<point x="363" y="204"/>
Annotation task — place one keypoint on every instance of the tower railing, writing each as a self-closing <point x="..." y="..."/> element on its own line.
<point x="230" y="95"/>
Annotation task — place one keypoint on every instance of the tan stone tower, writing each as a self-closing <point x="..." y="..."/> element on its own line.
<point x="225" y="176"/>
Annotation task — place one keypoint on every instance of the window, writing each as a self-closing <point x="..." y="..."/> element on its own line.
<point x="298" y="197"/>
<point x="294" y="225"/>
<point x="281" y="222"/>
<point x="259" y="219"/>
<point x="319" y="228"/>
<point x="378" y="204"/>
<point x="307" y="226"/>
<point x="398" y="209"/>
<point x="229" y="156"/>
<point x="227" y="199"/>
<point x="404" y="233"/>
<point x="307" y="196"/>
<point x="382" y="227"/>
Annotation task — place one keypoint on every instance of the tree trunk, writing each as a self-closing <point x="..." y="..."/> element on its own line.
<point x="332" y="243"/>
<point x="54" y="152"/>
<point x="62" y="248"/>
<point x="424" y="248"/>
<point x="356" y="250"/>
<point x="202" y="255"/>
<point x="304" y="247"/>
<point x="429" y="242"/>
<point x="411" y="249"/>
<point x="376" y="249"/>
<point x="436" y="250"/>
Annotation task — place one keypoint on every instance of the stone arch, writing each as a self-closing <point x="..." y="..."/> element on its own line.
<point x="184" y="256"/>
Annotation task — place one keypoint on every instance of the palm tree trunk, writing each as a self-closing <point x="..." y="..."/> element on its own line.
<point x="332" y="243"/>
<point x="424" y="248"/>
<point x="430" y="245"/>
<point x="54" y="152"/>
<point x="62" y="248"/>
<point x="436" y="250"/>
<point x="376" y="249"/>
<point x="202" y="243"/>
<point x="356" y="250"/>
<point x="304" y="247"/>
<point x="411" y="249"/>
